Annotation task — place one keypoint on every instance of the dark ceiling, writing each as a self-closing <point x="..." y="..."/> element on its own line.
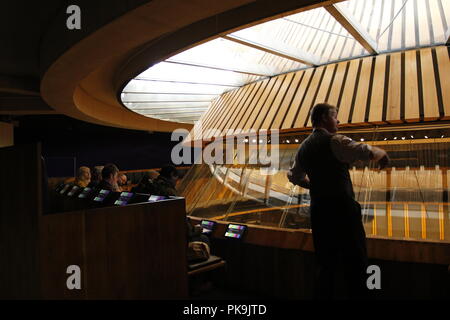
<point x="22" y="25"/>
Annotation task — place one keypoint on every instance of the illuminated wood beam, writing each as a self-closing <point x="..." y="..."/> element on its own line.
<point x="276" y="48"/>
<point x="353" y="27"/>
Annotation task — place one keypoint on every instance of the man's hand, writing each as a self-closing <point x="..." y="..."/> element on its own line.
<point x="380" y="156"/>
<point x="383" y="162"/>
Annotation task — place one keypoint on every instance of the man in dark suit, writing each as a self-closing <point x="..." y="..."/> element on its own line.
<point x="321" y="165"/>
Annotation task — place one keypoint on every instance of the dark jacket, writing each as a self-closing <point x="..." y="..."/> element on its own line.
<point x="328" y="176"/>
<point x="106" y="186"/>
<point x="164" y="187"/>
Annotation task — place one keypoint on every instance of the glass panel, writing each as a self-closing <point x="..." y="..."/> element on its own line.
<point x="142" y="86"/>
<point x="401" y="24"/>
<point x="180" y="72"/>
<point x="234" y="56"/>
<point x="410" y="200"/>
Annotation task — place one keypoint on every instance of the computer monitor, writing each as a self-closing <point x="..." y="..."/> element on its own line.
<point x="73" y="191"/>
<point x="208" y="226"/>
<point x="124" y="198"/>
<point x="86" y="193"/>
<point x="154" y="198"/>
<point x="235" y="231"/>
<point x="101" y="195"/>
<point x="139" y="198"/>
<point x="59" y="187"/>
<point x="65" y="189"/>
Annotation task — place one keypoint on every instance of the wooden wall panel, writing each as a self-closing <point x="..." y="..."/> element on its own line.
<point x="261" y="106"/>
<point x="230" y="113"/>
<point x="277" y="121"/>
<point x="377" y="99"/>
<point x="349" y="90"/>
<point x="409" y="86"/>
<point x="294" y="108"/>
<point x="412" y="113"/>
<point x="337" y="83"/>
<point x="252" y="110"/>
<point x="243" y="108"/>
<point x="277" y="101"/>
<point x="430" y="101"/>
<point x="268" y="104"/>
<point x="308" y="99"/>
<point x="393" y="102"/>
<point x="359" y="108"/>
<point x="443" y="63"/>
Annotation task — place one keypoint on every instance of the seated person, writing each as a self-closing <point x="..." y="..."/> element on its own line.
<point x="122" y="182"/>
<point x="145" y="185"/>
<point x="83" y="177"/>
<point x="166" y="181"/>
<point x="110" y="174"/>
<point x="194" y="233"/>
<point x="96" y="176"/>
<point x="153" y="175"/>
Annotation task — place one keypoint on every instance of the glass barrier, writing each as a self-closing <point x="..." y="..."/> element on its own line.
<point x="408" y="200"/>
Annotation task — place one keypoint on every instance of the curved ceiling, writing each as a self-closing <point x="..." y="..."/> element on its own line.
<point x="83" y="71"/>
<point x="182" y="87"/>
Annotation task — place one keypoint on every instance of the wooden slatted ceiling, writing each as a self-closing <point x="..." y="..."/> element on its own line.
<point x="409" y="86"/>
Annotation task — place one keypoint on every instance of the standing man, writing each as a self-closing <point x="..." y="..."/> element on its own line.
<point x="321" y="165"/>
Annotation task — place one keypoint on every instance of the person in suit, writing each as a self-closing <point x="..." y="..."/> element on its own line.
<point x="110" y="174"/>
<point x="321" y="165"/>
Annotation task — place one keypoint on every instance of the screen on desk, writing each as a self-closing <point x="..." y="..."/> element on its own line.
<point x="154" y="198"/>
<point x="64" y="190"/>
<point x="207" y="225"/>
<point x="235" y="231"/>
<point x="73" y="191"/>
<point x="124" y="198"/>
<point x="102" y="195"/>
<point x="85" y="193"/>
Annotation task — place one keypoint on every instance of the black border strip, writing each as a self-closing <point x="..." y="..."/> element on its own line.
<point x="419" y="84"/>
<point x="402" y="86"/>
<point x="386" y="86"/>
<point x="438" y="83"/>
<point x="369" y="92"/>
